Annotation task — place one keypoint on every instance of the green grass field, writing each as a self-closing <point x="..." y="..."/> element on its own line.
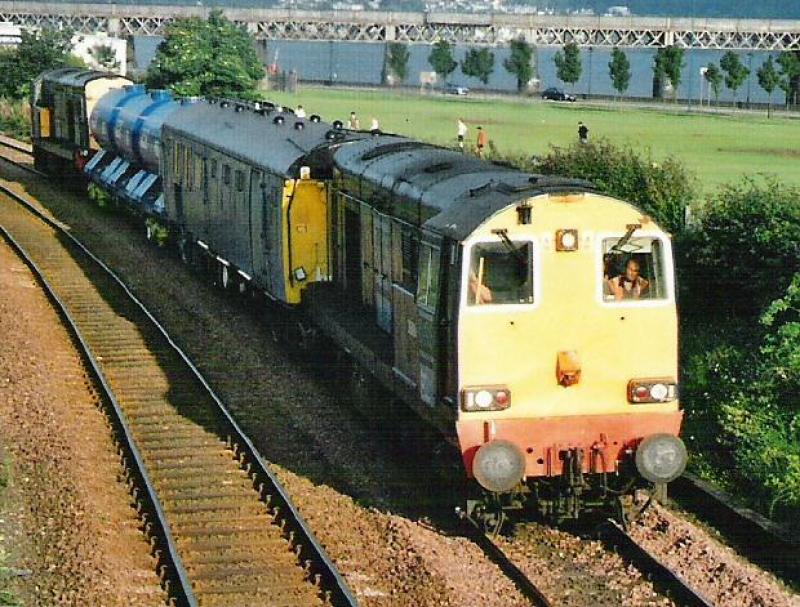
<point x="716" y="148"/>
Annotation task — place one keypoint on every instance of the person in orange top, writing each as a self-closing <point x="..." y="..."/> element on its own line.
<point x="483" y="140"/>
<point x="629" y="285"/>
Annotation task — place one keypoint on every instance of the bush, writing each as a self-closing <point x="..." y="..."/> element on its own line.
<point x="661" y="189"/>
<point x="747" y="246"/>
<point x="745" y="409"/>
<point x="15" y="119"/>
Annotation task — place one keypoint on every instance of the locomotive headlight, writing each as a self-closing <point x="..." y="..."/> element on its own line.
<point x="661" y="458"/>
<point x="483" y="399"/>
<point x="498" y="465"/>
<point x="488" y="398"/>
<point x="660" y="390"/>
<point x="567" y="240"/>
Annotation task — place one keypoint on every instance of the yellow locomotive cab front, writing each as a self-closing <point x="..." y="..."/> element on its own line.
<point x="567" y="342"/>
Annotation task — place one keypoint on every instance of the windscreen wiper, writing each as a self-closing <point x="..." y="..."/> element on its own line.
<point x="503" y="235"/>
<point x="631" y="228"/>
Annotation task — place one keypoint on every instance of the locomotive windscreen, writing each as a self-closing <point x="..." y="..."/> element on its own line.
<point x="501" y="273"/>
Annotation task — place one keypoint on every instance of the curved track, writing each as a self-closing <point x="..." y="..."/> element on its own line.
<point x="226" y="531"/>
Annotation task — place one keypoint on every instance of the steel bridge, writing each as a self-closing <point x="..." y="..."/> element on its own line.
<point x="366" y="26"/>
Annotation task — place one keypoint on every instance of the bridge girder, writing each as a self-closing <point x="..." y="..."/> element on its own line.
<point x="274" y="24"/>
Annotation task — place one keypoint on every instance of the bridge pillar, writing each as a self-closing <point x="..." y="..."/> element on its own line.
<point x="252" y="28"/>
<point x="113" y="26"/>
<point x="391" y="32"/>
<point x="669" y="38"/>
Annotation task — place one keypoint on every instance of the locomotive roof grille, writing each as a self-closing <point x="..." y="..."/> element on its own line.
<point x="392" y="148"/>
<point x="439" y="167"/>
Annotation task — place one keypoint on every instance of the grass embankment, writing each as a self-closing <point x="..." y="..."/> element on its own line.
<point x="15" y="119"/>
<point x="718" y="148"/>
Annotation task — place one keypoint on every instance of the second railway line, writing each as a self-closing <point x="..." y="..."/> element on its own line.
<point x="233" y="547"/>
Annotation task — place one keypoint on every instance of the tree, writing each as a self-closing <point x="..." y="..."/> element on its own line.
<point x="207" y="58"/>
<point x="519" y="62"/>
<point x="713" y="76"/>
<point x="397" y="60"/>
<point x="619" y="68"/>
<point x="768" y="79"/>
<point x="668" y="64"/>
<point x="441" y="59"/>
<point x="568" y="64"/>
<point x="105" y="56"/>
<point x="38" y="51"/>
<point x="479" y="63"/>
<point x="735" y="72"/>
<point x="789" y="63"/>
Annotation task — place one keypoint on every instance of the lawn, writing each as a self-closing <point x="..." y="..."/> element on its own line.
<point x="717" y="148"/>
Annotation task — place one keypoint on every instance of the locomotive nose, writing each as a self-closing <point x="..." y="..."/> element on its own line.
<point x="661" y="458"/>
<point x="498" y="465"/>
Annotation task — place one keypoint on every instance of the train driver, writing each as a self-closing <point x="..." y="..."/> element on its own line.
<point x="478" y="293"/>
<point x="629" y="285"/>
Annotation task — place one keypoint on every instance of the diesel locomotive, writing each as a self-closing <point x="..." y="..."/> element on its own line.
<point x="530" y="318"/>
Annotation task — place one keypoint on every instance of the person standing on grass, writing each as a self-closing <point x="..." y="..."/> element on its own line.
<point x="374" y="126"/>
<point x="300" y="112"/>
<point x="353" y="123"/>
<point x="462" y="133"/>
<point x="583" y="133"/>
<point x="483" y="141"/>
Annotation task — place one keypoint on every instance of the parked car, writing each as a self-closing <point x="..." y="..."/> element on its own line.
<point x="555" y="94"/>
<point x="452" y="89"/>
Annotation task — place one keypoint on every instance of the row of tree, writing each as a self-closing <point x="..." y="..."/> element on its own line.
<point x="783" y="73"/>
<point x="478" y="62"/>
<point x="668" y="67"/>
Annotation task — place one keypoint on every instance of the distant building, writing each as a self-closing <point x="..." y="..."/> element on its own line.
<point x="10" y="34"/>
<point x="618" y="11"/>
<point x="102" y="52"/>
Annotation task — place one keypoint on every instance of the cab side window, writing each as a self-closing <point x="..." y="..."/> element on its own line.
<point x="428" y="288"/>
<point x="633" y="269"/>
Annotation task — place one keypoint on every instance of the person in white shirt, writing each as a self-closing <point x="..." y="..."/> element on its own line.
<point x="300" y="112"/>
<point x="462" y="133"/>
<point x="374" y="127"/>
<point x="353" y="122"/>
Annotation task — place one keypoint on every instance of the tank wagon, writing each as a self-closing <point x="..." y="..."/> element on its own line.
<point x="127" y="124"/>
<point x="530" y="318"/>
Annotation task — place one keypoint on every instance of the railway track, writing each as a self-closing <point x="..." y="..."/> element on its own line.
<point x="20" y="150"/>
<point x="225" y="530"/>
<point x="615" y="538"/>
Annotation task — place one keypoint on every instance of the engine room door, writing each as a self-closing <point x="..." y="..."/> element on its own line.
<point x="382" y="264"/>
<point x="352" y="253"/>
<point x="367" y="265"/>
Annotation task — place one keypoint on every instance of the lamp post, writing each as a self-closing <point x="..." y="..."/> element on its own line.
<point x="591" y="53"/>
<point x="691" y="63"/>
<point x="703" y="71"/>
<point x="749" y="76"/>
